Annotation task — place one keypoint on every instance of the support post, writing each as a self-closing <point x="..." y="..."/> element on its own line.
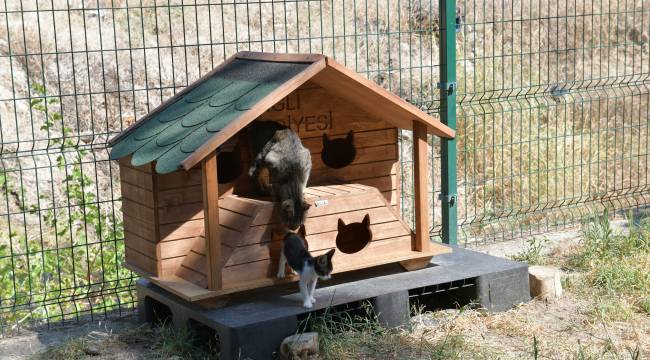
<point x="421" y="187"/>
<point x="448" y="91"/>
<point x="211" y="219"/>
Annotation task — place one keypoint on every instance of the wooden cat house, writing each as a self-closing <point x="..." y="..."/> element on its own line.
<point x="192" y="221"/>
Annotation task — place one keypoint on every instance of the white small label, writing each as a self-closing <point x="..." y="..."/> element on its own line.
<point x="320" y="203"/>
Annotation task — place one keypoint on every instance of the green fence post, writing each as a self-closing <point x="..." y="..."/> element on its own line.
<point x="448" y="91"/>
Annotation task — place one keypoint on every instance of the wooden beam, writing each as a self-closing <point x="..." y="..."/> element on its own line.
<point x="275" y="57"/>
<point x="211" y="218"/>
<point x="421" y="183"/>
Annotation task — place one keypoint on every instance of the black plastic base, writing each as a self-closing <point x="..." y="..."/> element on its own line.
<point x="253" y="324"/>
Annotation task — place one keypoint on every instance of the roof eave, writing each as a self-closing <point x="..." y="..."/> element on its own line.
<point x="258" y="109"/>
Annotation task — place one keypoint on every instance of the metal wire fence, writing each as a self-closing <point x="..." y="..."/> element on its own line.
<point x="552" y="116"/>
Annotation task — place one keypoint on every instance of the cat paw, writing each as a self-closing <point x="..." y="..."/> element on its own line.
<point x="313" y="300"/>
<point x="280" y="275"/>
<point x="307" y="305"/>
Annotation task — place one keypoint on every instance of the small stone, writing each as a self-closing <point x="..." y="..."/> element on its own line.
<point x="92" y="351"/>
<point x="299" y="346"/>
<point x="545" y="282"/>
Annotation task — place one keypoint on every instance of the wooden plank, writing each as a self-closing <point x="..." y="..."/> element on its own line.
<point x="138" y="178"/>
<point x="141" y="245"/>
<point x="376" y="100"/>
<point x="354" y="172"/>
<point x="182" y="212"/>
<point x="312" y="112"/>
<point x="169" y="266"/>
<point x="137" y="194"/>
<point x="335" y="205"/>
<point x="180" y="179"/>
<point x="138" y="211"/>
<point x="421" y="187"/>
<point x="175" y="248"/>
<point x="194" y="228"/>
<point x="380" y="252"/>
<point x="261" y="251"/>
<point x="143" y="262"/>
<point x="175" y="197"/>
<point x="364" y="155"/>
<point x="362" y="139"/>
<point x="211" y="218"/>
<point x="256" y="110"/>
<point x="416" y="264"/>
<point x="192" y="276"/>
<point x="239" y="205"/>
<point x="183" y="288"/>
<point x="141" y="228"/>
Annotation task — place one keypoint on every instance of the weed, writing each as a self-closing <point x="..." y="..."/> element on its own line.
<point x="532" y="254"/>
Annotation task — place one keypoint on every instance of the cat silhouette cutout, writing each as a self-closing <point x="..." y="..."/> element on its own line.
<point x="353" y="237"/>
<point x="338" y="153"/>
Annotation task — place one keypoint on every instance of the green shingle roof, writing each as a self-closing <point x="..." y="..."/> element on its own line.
<point x="172" y="133"/>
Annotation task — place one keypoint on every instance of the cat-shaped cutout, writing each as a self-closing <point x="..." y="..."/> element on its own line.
<point x="353" y="237"/>
<point x="338" y="153"/>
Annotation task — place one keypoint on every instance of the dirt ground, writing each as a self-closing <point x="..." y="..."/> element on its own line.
<point x="580" y="325"/>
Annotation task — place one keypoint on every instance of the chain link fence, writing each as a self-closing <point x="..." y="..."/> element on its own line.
<point x="552" y="116"/>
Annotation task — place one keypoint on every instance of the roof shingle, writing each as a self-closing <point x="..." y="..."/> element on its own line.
<point x="174" y="132"/>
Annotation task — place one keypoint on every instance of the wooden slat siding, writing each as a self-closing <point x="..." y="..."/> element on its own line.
<point x="181" y="212"/>
<point x="176" y="248"/>
<point x="137" y="194"/>
<point x="345" y="115"/>
<point x="175" y="197"/>
<point x="364" y="155"/>
<point x="341" y="204"/>
<point x="353" y="172"/>
<point x="257" y="252"/>
<point x="239" y="205"/>
<point x="169" y="266"/>
<point x="135" y="177"/>
<point x="362" y="139"/>
<point x="192" y="276"/>
<point x="210" y="197"/>
<point x="141" y="228"/>
<point x="138" y="211"/>
<point x="380" y="252"/>
<point x="141" y="261"/>
<point x="421" y="187"/>
<point x="142" y="245"/>
<point x="232" y="222"/>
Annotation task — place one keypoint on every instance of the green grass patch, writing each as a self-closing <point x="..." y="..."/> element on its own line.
<point x="616" y="268"/>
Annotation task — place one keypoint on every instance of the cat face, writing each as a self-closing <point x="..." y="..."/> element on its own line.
<point x="294" y="212"/>
<point x="323" y="265"/>
<point x="338" y="153"/>
<point x="353" y="237"/>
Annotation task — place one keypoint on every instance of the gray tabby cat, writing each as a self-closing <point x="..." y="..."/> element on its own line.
<point x="294" y="252"/>
<point x="278" y="149"/>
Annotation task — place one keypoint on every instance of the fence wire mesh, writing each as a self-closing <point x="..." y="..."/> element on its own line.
<point x="551" y="107"/>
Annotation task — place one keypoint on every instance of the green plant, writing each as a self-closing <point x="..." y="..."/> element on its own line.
<point x="79" y="247"/>
<point x="532" y="252"/>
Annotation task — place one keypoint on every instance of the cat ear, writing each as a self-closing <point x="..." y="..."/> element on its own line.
<point x="325" y="139"/>
<point x="341" y="225"/>
<point x="366" y="221"/>
<point x="350" y="137"/>
<point x="330" y="254"/>
<point x="287" y="207"/>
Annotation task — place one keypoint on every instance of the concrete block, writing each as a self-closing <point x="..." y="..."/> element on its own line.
<point x="545" y="282"/>
<point x="392" y="309"/>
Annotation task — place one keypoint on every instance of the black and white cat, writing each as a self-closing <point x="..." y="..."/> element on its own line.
<point x="294" y="251"/>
